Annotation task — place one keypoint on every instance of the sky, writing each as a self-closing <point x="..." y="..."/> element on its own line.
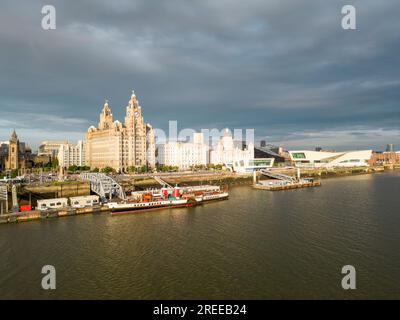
<point x="285" y="68"/>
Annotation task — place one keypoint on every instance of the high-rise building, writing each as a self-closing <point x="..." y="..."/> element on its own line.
<point x="120" y="146"/>
<point x="51" y="148"/>
<point x="151" y="147"/>
<point x="226" y="152"/>
<point x="70" y="155"/>
<point x="390" y="147"/>
<point x="183" y="154"/>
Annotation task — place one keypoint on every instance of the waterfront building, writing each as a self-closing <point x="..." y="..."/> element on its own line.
<point x="51" y="148"/>
<point x="327" y="159"/>
<point x="3" y="154"/>
<point x="70" y="155"/>
<point x="151" y="147"/>
<point x="227" y="151"/>
<point x="14" y="154"/>
<point x="269" y="151"/>
<point x="120" y="146"/>
<point x="390" y="147"/>
<point x="251" y="165"/>
<point x="385" y="158"/>
<point x="183" y="154"/>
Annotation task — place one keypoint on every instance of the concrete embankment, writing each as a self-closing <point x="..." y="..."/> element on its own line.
<point x="43" y="215"/>
<point x="29" y="194"/>
<point x="228" y="178"/>
<point x="224" y="178"/>
<point x="60" y="189"/>
<point x="333" y="172"/>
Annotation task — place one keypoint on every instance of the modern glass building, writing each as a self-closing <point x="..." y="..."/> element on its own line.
<point x="251" y="165"/>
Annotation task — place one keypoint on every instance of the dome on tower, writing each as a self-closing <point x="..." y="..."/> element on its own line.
<point x="227" y="133"/>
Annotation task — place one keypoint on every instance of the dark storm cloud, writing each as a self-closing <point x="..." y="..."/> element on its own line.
<point x="285" y="68"/>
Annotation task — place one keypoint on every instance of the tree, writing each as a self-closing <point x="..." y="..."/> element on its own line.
<point x="73" y="168"/>
<point x="143" y="169"/>
<point x="107" y="170"/>
<point x="215" y="166"/>
<point x="14" y="174"/>
<point x="54" y="163"/>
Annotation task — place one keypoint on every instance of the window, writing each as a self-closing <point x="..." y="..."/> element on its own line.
<point x="299" y="155"/>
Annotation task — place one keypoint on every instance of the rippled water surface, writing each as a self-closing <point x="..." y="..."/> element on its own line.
<point x="256" y="245"/>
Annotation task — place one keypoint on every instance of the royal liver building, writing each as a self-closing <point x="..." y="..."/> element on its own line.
<point x="121" y="146"/>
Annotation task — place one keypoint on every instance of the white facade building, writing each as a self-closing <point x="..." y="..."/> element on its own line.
<point x="305" y="158"/>
<point x="226" y="152"/>
<point x="251" y="165"/>
<point x="151" y="146"/>
<point x="182" y="154"/>
<point x="70" y="155"/>
<point x="51" y="148"/>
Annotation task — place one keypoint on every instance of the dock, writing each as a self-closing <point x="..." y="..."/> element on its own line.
<point x="285" y="185"/>
<point x="279" y="181"/>
<point x="49" y="214"/>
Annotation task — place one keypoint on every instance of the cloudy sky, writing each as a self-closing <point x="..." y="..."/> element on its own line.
<point x="283" y="67"/>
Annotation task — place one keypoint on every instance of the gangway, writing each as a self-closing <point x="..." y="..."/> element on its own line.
<point x="279" y="176"/>
<point x="162" y="182"/>
<point x="103" y="185"/>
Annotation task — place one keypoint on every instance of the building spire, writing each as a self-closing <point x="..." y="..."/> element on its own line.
<point x="14" y="135"/>
<point x="133" y="94"/>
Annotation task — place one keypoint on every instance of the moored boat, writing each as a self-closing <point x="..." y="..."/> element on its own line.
<point x="126" y="207"/>
<point x="215" y="196"/>
<point x="165" y="198"/>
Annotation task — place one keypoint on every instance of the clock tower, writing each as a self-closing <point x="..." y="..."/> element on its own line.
<point x="13" y="152"/>
<point x="135" y="133"/>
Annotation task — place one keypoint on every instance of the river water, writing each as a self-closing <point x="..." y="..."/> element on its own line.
<point x="256" y="245"/>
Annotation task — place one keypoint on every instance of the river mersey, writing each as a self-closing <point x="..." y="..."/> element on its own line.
<point x="256" y="245"/>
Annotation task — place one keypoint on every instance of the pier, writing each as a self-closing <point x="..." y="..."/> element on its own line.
<point x="278" y="185"/>
<point x="282" y="181"/>
<point x="49" y="214"/>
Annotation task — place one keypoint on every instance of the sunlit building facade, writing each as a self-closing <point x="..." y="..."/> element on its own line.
<point x="304" y="158"/>
<point x="70" y="155"/>
<point x="184" y="155"/>
<point x="227" y="151"/>
<point x="121" y="146"/>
